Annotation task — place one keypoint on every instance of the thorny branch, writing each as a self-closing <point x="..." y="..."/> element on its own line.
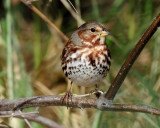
<point x="116" y="84"/>
<point x="77" y="102"/>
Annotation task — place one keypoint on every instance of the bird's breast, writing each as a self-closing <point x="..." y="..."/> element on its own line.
<point x="87" y="66"/>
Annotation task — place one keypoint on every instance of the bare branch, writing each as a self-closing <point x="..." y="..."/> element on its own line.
<point x="29" y="4"/>
<point x="29" y="1"/>
<point x="78" y="18"/>
<point x="26" y="120"/>
<point x="116" y="84"/>
<point x="77" y="102"/>
<point x="33" y="117"/>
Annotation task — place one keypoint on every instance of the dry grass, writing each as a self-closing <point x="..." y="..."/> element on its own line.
<point x="37" y="66"/>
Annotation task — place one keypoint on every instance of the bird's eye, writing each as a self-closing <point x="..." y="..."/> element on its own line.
<point x="93" y="30"/>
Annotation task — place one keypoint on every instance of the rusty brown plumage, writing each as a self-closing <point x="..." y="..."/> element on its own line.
<point x="86" y="58"/>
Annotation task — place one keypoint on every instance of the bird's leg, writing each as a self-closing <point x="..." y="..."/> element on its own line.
<point x="96" y="87"/>
<point x="68" y="95"/>
<point x="97" y="92"/>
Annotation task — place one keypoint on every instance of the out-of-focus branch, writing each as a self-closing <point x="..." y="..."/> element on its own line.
<point x="131" y="59"/>
<point x="77" y="102"/>
<point x="29" y="4"/>
<point x="75" y="15"/>
<point x="31" y="117"/>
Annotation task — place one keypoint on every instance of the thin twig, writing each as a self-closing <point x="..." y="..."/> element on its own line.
<point x="29" y="1"/>
<point x="73" y="6"/>
<point x="76" y="16"/>
<point x="131" y="59"/>
<point x="77" y="102"/>
<point x="45" y="19"/>
<point x="27" y="122"/>
<point x="32" y="117"/>
<point x="13" y="114"/>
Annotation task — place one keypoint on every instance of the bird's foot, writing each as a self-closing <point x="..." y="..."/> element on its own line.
<point x="67" y="97"/>
<point x="97" y="92"/>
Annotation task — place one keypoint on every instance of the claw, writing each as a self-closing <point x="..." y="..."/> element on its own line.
<point x="97" y="92"/>
<point x="67" y="96"/>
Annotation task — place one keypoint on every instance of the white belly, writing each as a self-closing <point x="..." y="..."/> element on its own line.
<point x="83" y="73"/>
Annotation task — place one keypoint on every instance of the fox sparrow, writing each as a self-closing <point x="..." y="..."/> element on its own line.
<point x="86" y="58"/>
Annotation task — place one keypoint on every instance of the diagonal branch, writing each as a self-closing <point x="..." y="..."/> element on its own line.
<point x="77" y="102"/>
<point x="29" y="4"/>
<point x="116" y="84"/>
<point x="75" y="15"/>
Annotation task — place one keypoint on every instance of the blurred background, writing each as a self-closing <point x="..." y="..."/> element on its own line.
<point x="30" y="63"/>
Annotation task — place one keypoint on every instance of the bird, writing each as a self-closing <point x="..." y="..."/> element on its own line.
<point x="86" y="58"/>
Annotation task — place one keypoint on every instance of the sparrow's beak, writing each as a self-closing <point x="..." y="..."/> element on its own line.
<point x="104" y="33"/>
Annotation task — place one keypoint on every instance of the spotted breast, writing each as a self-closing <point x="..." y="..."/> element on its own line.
<point x="86" y="58"/>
